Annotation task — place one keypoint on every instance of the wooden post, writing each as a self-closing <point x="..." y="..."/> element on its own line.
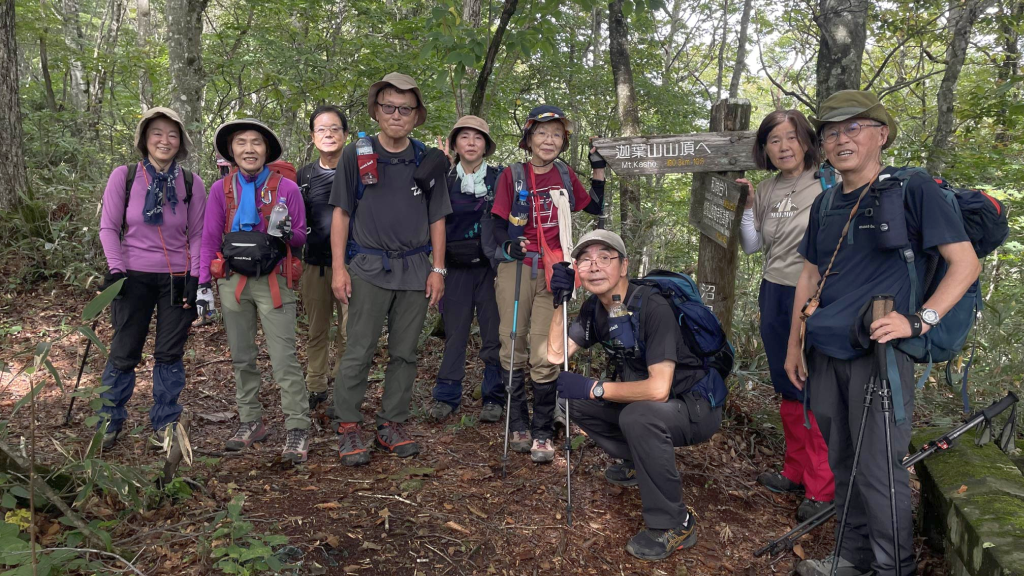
<point x="716" y="265"/>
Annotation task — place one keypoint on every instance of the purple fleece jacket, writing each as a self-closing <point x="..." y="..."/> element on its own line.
<point x="141" y="249"/>
<point x="216" y="213"/>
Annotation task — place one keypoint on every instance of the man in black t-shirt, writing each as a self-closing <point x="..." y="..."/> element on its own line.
<point x="329" y="130"/>
<point x="640" y="419"/>
<point x="395" y="241"/>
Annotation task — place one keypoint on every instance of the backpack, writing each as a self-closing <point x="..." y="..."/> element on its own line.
<point x="129" y="181"/>
<point x="985" y="222"/>
<point x="699" y="327"/>
<point x="317" y="250"/>
<point x="285" y="169"/>
<point x="519" y="179"/>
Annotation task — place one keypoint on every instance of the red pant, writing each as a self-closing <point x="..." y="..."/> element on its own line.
<point x="806" y="453"/>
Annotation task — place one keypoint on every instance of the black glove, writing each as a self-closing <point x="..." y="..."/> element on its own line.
<point x="285" y="227"/>
<point x="191" y="288"/>
<point x="111" y="278"/>
<point x="563" y="280"/>
<point x="575" y="387"/>
<point x="596" y="160"/>
<point x="515" y="250"/>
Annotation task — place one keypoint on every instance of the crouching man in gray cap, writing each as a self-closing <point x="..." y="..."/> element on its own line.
<point x="652" y="408"/>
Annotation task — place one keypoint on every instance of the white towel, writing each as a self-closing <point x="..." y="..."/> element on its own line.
<point x="560" y="198"/>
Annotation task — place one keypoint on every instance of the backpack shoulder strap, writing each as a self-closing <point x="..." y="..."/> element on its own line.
<point x="827" y="176"/>
<point x="419" y="150"/>
<point x="187" y="177"/>
<point x="229" y="201"/>
<point x="129" y="181"/>
<point x="829" y="196"/>
<point x="518" y="177"/>
<point x="304" y="176"/>
<point x="563" y="171"/>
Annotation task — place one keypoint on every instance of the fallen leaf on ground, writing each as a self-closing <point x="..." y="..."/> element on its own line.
<point x="477" y="512"/>
<point x="456" y="527"/>
<point x="329" y="506"/>
<point x="963" y="488"/>
<point x="799" y="551"/>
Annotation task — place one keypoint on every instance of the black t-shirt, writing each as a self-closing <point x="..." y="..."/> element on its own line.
<point x="317" y="194"/>
<point x="467" y="210"/>
<point x="861" y="269"/>
<point x="660" y="333"/>
<point x="393" y="215"/>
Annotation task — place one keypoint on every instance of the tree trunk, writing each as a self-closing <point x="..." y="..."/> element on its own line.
<point x="1012" y="12"/>
<point x="76" y="42"/>
<point x="44" y="64"/>
<point x="721" y="50"/>
<point x="12" y="160"/>
<point x="961" y="22"/>
<point x="843" y="26"/>
<point x="471" y="12"/>
<point x="628" y="113"/>
<point x="184" y="49"/>
<point x="144" y="28"/>
<point x="595" y="35"/>
<point x="476" y="104"/>
<point x="741" y="52"/>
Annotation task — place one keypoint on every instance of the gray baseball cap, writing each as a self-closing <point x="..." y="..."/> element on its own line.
<point x="605" y="237"/>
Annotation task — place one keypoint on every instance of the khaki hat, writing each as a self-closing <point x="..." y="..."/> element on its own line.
<point x="157" y="112"/>
<point x="847" y="104"/>
<point x="402" y="82"/>
<point x="476" y="123"/>
<point x="605" y="237"/>
<point x="222" y="138"/>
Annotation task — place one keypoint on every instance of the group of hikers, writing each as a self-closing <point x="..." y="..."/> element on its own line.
<point x="386" y="226"/>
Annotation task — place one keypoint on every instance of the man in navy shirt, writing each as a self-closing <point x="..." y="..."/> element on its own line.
<point x="845" y="249"/>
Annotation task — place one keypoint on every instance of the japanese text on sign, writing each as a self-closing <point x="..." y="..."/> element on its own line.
<point x="661" y="150"/>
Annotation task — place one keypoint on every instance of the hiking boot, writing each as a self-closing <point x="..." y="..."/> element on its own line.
<point x="351" y="449"/>
<point x="296" y="446"/>
<point x="441" y="410"/>
<point x="776" y="482"/>
<point x="316" y="399"/>
<point x="621" y="474"/>
<point x="520" y="442"/>
<point x="542" y="451"/>
<point x="810" y="508"/>
<point x="392" y="437"/>
<point x="491" y="412"/>
<point x="651" y="544"/>
<point x="110" y="438"/>
<point x="247" y="434"/>
<point x="823" y="567"/>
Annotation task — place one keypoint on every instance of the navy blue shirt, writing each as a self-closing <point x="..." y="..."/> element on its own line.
<point x="862" y="270"/>
<point x="467" y="210"/>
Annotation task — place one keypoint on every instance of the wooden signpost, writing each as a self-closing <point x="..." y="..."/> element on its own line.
<point x="716" y="158"/>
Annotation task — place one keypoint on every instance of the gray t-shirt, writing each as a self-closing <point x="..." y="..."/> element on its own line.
<point x="393" y="215"/>
<point x="781" y="208"/>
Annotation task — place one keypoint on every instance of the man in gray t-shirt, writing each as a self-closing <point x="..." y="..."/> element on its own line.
<point x="394" y="237"/>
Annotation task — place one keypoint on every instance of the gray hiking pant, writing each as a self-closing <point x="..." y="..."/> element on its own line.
<point x="836" y="389"/>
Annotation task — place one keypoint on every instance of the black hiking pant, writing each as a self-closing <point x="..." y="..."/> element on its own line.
<point x="836" y="389"/>
<point x="647" y="433"/>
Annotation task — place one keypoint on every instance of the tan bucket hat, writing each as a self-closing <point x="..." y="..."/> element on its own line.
<point x="476" y="123"/>
<point x="158" y="112"/>
<point x="847" y="104"/>
<point x="402" y="82"/>
<point x="222" y="138"/>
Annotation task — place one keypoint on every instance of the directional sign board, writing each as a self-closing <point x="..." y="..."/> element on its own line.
<point x="700" y="152"/>
<point x="720" y="211"/>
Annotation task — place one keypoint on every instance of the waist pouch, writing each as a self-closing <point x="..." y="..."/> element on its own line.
<point x="711" y="388"/>
<point x="891" y="219"/>
<point x="465" y="254"/>
<point x="252" y="254"/>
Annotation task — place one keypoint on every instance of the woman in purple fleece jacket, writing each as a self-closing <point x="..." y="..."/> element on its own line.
<point x="250" y="145"/>
<point x="152" y="243"/>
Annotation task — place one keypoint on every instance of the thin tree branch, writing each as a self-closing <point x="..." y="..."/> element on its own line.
<point x="787" y="92"/>
<point x="129" y="565"/>
<point x="902" y="85"/>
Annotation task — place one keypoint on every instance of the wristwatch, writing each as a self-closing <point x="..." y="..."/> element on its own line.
<point x="599" y="389"/>
<point x="442" y="271"/>
<point x="929" y="316"/>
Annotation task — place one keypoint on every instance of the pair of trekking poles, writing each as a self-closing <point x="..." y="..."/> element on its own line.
<point x="508" y="389"/>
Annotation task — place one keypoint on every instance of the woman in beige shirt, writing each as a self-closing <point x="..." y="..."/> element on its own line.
<point x="774" y="222"/>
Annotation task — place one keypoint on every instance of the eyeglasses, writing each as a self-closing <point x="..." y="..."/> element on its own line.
<point x="389" y="109"/>
<point x="323" y="130"/>
<point x="601" y="261"/>
<point x="556" y="136"/>
<point x="851" y="130"/>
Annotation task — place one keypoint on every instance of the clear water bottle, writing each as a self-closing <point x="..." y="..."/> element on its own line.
<point x="279" y="213"/>
<point x="617" y="309"/>
<point x="364" y="147"/>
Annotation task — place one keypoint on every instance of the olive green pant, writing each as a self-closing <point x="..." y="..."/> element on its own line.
<point x="536" y="306"/>
<point x="369" y="306"/>
<point x="319" y="302"/>
<point x="279" y="333"/>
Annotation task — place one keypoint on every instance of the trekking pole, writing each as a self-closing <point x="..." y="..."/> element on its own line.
<point x="568" y="435"/>
<point x="879" y="308"/>
<point x="940" y="444"/>
<point x="81" y="369"/>
<point x="512" y="360"/>
<point x="885" y="392"/>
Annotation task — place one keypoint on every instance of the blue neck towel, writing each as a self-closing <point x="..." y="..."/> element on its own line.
<point x="247" y="216"/>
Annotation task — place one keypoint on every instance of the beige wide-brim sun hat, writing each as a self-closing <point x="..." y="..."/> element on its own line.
<point x="847" y="104"/>
<point x="160" y="112"/>
<point x="402" y="82"/>
<point x="476" y="123"/>
<point x="222" y="138"/>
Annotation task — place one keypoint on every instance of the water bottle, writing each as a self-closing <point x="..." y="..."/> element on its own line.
<point x="617" y="309"/>
<point x="518" y="215"/>
<point x="279" y="213"/>
<point x="364" y="148"/>
<point x="620" y="327"/>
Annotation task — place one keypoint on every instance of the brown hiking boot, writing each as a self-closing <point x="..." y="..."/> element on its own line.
<point x="248" y="433"/>
<point x="351" y="449"/>
<point x="392" y="438"/>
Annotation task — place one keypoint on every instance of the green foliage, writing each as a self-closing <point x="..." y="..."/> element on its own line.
<point x="237" y="548"/>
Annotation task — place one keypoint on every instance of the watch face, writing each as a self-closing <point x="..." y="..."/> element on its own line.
<point x="930" y="316"/>
<point x="599" y="391"/>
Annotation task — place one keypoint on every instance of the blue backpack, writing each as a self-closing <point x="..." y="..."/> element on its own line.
<point x="699" y="327"/>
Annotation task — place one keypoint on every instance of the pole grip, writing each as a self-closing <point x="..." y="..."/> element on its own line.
<point x="881" y="305"/>
<point x="998" y="407"/>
